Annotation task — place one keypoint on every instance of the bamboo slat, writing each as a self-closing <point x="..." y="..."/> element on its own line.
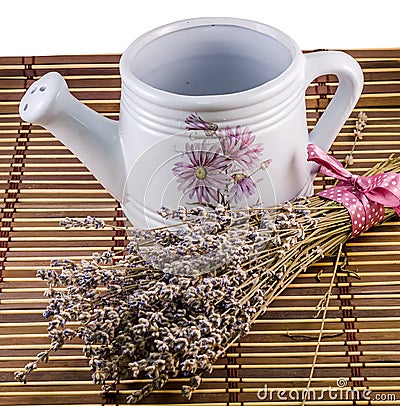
<point x="41" y="182"/>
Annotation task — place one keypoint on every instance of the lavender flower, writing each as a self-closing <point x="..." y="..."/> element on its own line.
<point x="88" y="222"/>
<point x="239" y="146"/>
<point x="158" y="315"/>
<point x="203" y="175"/>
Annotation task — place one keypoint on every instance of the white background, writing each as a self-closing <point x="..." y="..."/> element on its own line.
<point x="35" y="27"/>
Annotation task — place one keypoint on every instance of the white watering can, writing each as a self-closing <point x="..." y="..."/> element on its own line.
<point x="212" y="111"/>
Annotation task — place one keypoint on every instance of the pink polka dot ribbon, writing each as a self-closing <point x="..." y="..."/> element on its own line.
<point x="363" y="197"/>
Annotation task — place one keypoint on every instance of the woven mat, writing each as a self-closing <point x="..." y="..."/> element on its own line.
<point x="42" y="182"/>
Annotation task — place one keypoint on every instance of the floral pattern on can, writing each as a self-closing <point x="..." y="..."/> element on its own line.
<point x="203" y="175"/>
<point x="221" y="171"/>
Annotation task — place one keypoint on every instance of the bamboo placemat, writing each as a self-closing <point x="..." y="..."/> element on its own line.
<point x="41" y="182"/>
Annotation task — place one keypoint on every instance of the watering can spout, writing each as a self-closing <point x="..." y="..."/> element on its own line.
<point x="94" y="139"/>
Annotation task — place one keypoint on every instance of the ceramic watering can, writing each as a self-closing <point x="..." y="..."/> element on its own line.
<point x="212" y="111"/>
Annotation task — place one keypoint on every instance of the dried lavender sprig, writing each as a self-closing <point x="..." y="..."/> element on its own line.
<point x="359" y="127"/>
<point x="87" y="222"/>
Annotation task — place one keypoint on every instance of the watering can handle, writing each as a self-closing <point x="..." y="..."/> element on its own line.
<point x="350" y="76"/>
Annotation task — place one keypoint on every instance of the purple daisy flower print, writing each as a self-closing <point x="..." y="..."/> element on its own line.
<point x="238" y="146"/>
<point x="203" y="175"/>
<point x="195" y="122"/>
<point x="243" y="187"/>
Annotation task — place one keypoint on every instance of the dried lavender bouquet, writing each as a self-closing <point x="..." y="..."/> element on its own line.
<point x="183" y="295"/>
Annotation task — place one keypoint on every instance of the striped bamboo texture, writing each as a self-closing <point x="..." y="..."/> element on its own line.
<point x="42" y="182"/>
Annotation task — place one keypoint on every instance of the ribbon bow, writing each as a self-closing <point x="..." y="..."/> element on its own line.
<point x="363" y="197"/>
